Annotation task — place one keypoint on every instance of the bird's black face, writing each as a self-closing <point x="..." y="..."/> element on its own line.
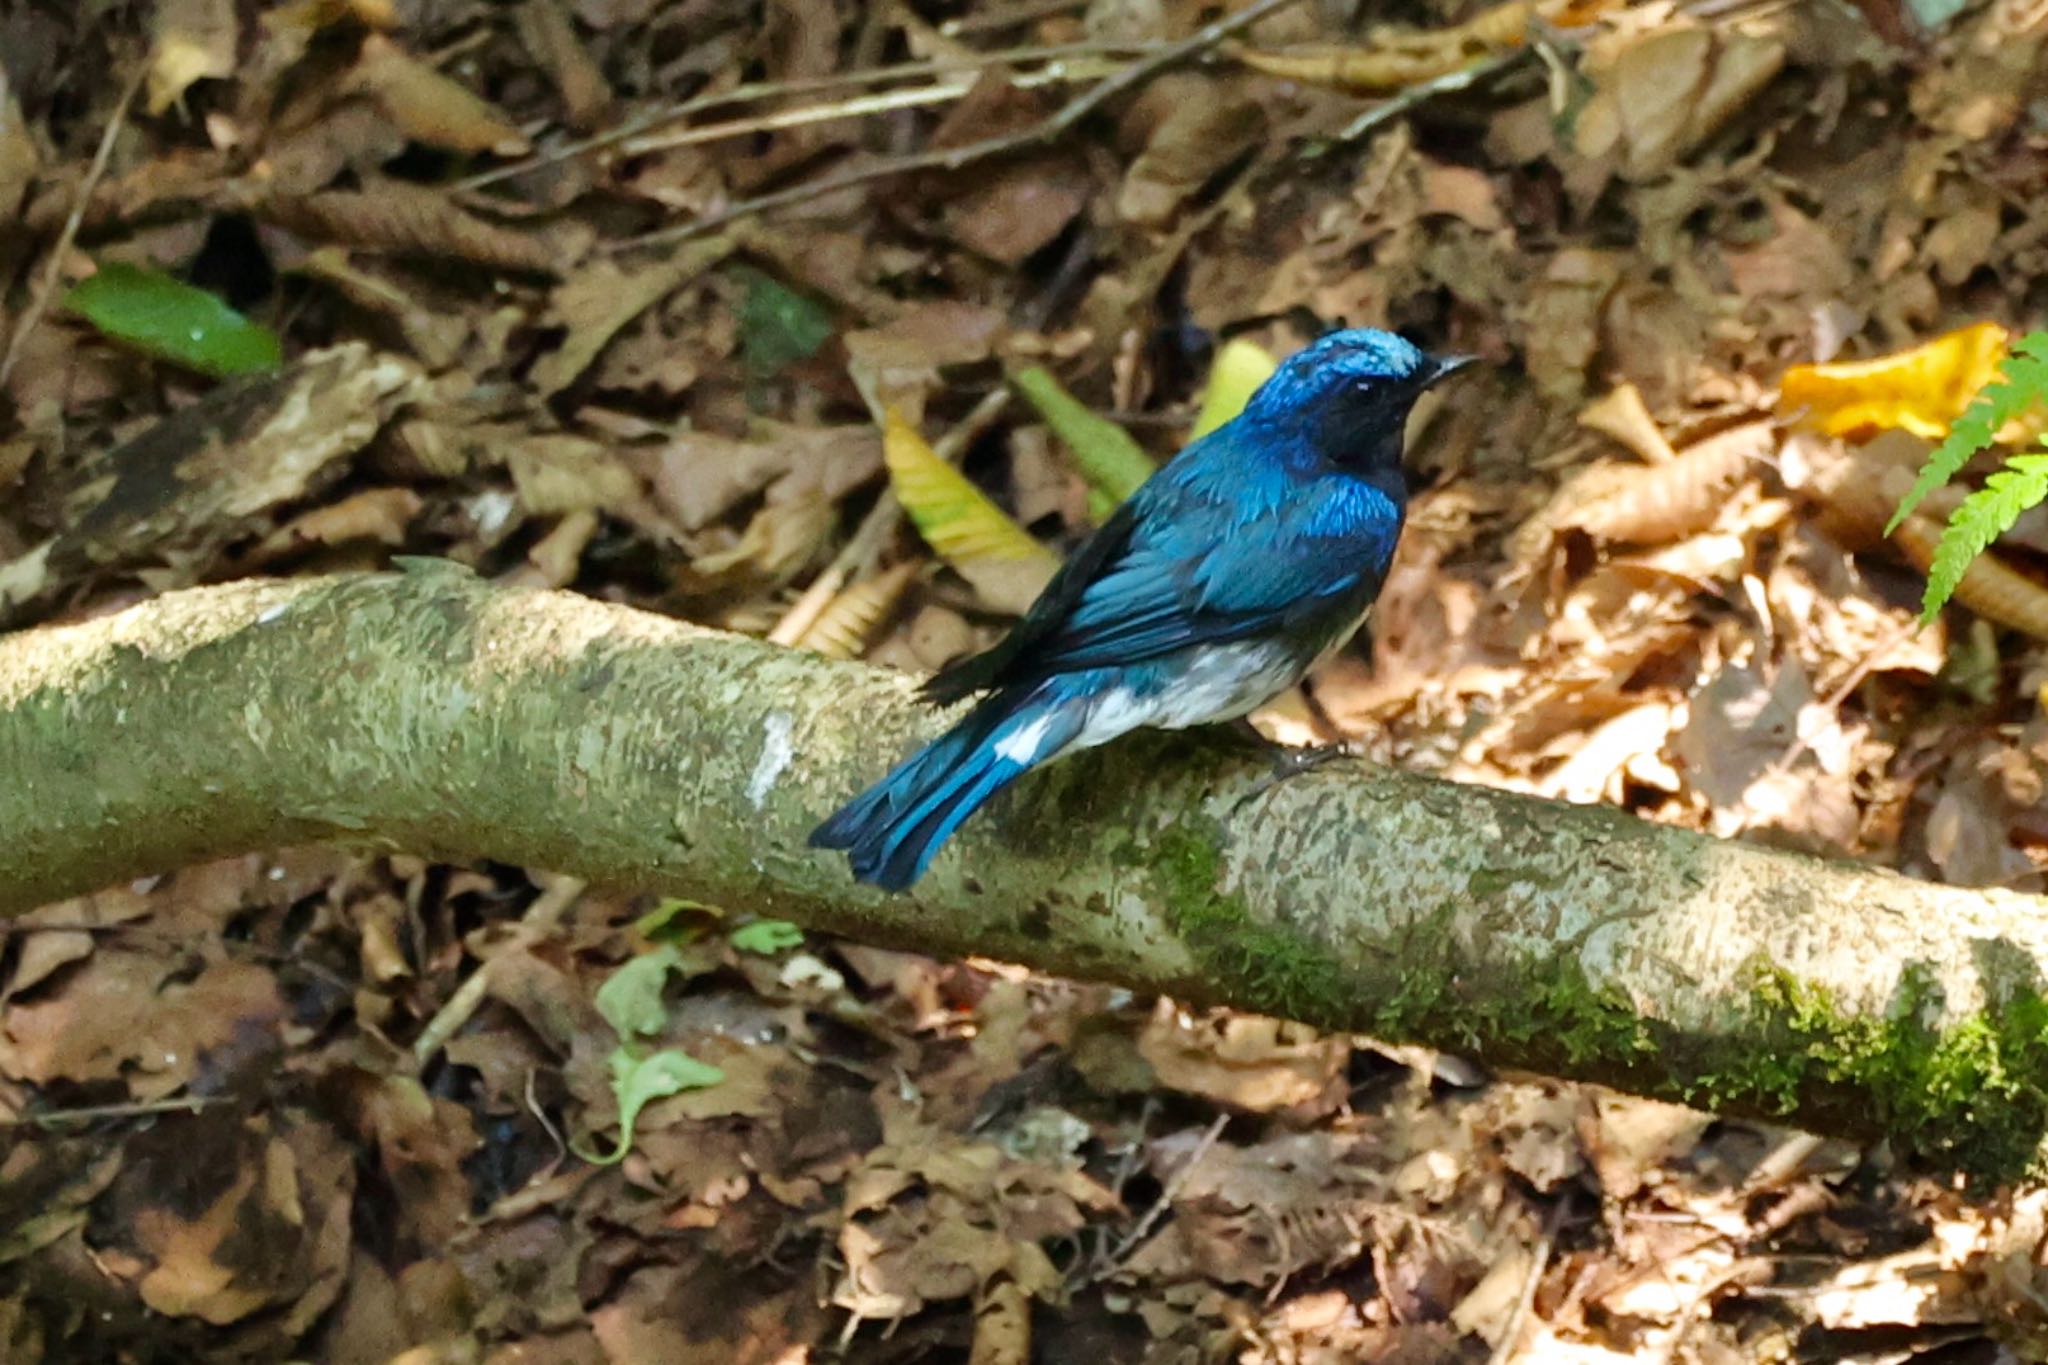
<point x="1365" y="419"/>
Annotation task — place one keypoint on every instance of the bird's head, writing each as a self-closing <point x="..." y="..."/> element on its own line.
<point x="1349" y="393"/>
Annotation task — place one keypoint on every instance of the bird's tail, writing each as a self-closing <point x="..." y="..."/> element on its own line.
<point x="891" y="831"/>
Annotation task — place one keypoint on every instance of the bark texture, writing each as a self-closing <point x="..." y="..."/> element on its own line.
<point x="427" y="711"/>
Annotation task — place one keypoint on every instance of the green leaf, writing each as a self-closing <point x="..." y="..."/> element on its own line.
<point x="767" y="937"/>
<point x="1239" y="368"/>
<point x="172" y="320"/>
<point x="2022" y="382"/>
<point x="1109" y="459"/>
<point x="630" y="999"/>
<point x="778" y="326"/>
<point x="1984" y="516"/>
<point x="658" y="923"/>
<point x="639" y="1081"/>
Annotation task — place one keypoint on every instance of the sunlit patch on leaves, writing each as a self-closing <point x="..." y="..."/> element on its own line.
<point x="171" y="320"/>
<point x="778" y="326"/>
<point x="1109" y="459"/>
<point x="977" y="538"/>
<point x="630" y="1001"/>
<point x="1239" y="368"/>
<point x="767" y="937"/>
<point x="1922" y="390"/>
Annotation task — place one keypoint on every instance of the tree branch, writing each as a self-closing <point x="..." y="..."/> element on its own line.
<point x="427" y="711"/>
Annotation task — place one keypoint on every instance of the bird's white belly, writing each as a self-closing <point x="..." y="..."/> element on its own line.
<point x="1220" y="682"/>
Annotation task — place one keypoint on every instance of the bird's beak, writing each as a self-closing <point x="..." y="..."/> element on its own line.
<point x="1444" y="366"/>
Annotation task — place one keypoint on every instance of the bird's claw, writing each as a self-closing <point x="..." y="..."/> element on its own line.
<point x="1292" y="761"/>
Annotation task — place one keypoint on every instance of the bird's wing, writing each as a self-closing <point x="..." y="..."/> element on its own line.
<point x="995" y="664"/>
<point x="1203" y="574"/>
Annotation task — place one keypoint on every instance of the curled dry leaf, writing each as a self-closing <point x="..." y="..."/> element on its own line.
<point x="842" y="630"/>
<point x="1246" y="1061"/>
<point x="408" y="220"/>
<point x="1658" y="504"/>
<point x="1394" y="59"/>
<point x="429" y="106"/>
<point x="1990" y="586"/>
<point x="559" y="472"/>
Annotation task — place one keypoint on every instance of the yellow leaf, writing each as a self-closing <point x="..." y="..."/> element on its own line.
<point x="1240" y="367"/>
<point x="970" y="533"/>
<point x="1921" y="390"/>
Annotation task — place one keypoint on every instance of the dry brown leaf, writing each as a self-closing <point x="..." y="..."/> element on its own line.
<point x="1630" y="1139"/>
<point x="133" y="1014"/>
<point x="1206" y="126"/>
<point x="600" y="298"/>
<point x="434" y="337"/>
<point x="1246" y="1061"/>
<point x="1012" y="209"/>
<point x="548" y="33"/>
<point x="1655" y="505"/>
<point x="19" y="160"/>
<point x="429" y="106"/>
<point x="379" y="514"/>
<point x="1623" y="415"/>
<point x="556" y="472"/>
<point x="1393" y="58"/>
<point x="1256" y="1215"/>
<point x="1671" y="90"/>
<point x="408" y="220"/>
<point x="843" y="627"/>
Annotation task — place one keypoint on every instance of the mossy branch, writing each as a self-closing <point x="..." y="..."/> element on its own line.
<point x="427" y="711"/>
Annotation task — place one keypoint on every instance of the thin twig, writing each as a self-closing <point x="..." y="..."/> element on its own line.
<point x="50" y="1118"/>
<point x="1167" y="1194"/>
<point x="954" y="158"/>
<point x="1450" y="83"/>
<point x="539" y="920"/>
<point x="755" y="91"/>
<point x="910" y="97"/>
<point x="1504" y="1349"/>
<point x="878" y="525"/>
<point x="39" y="302"/>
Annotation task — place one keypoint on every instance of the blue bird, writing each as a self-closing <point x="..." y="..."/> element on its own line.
<point x="1214" y="588"/>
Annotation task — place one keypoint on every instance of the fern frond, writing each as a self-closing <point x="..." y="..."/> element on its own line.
<point x="2022" y="382"/>
<point x="1982" y="517"/>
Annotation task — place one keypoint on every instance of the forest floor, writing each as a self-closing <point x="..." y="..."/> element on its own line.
<point x="344" y="1108"/>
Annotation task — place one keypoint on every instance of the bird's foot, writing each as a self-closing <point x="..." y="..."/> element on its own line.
<point x="1292" y="761"/>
